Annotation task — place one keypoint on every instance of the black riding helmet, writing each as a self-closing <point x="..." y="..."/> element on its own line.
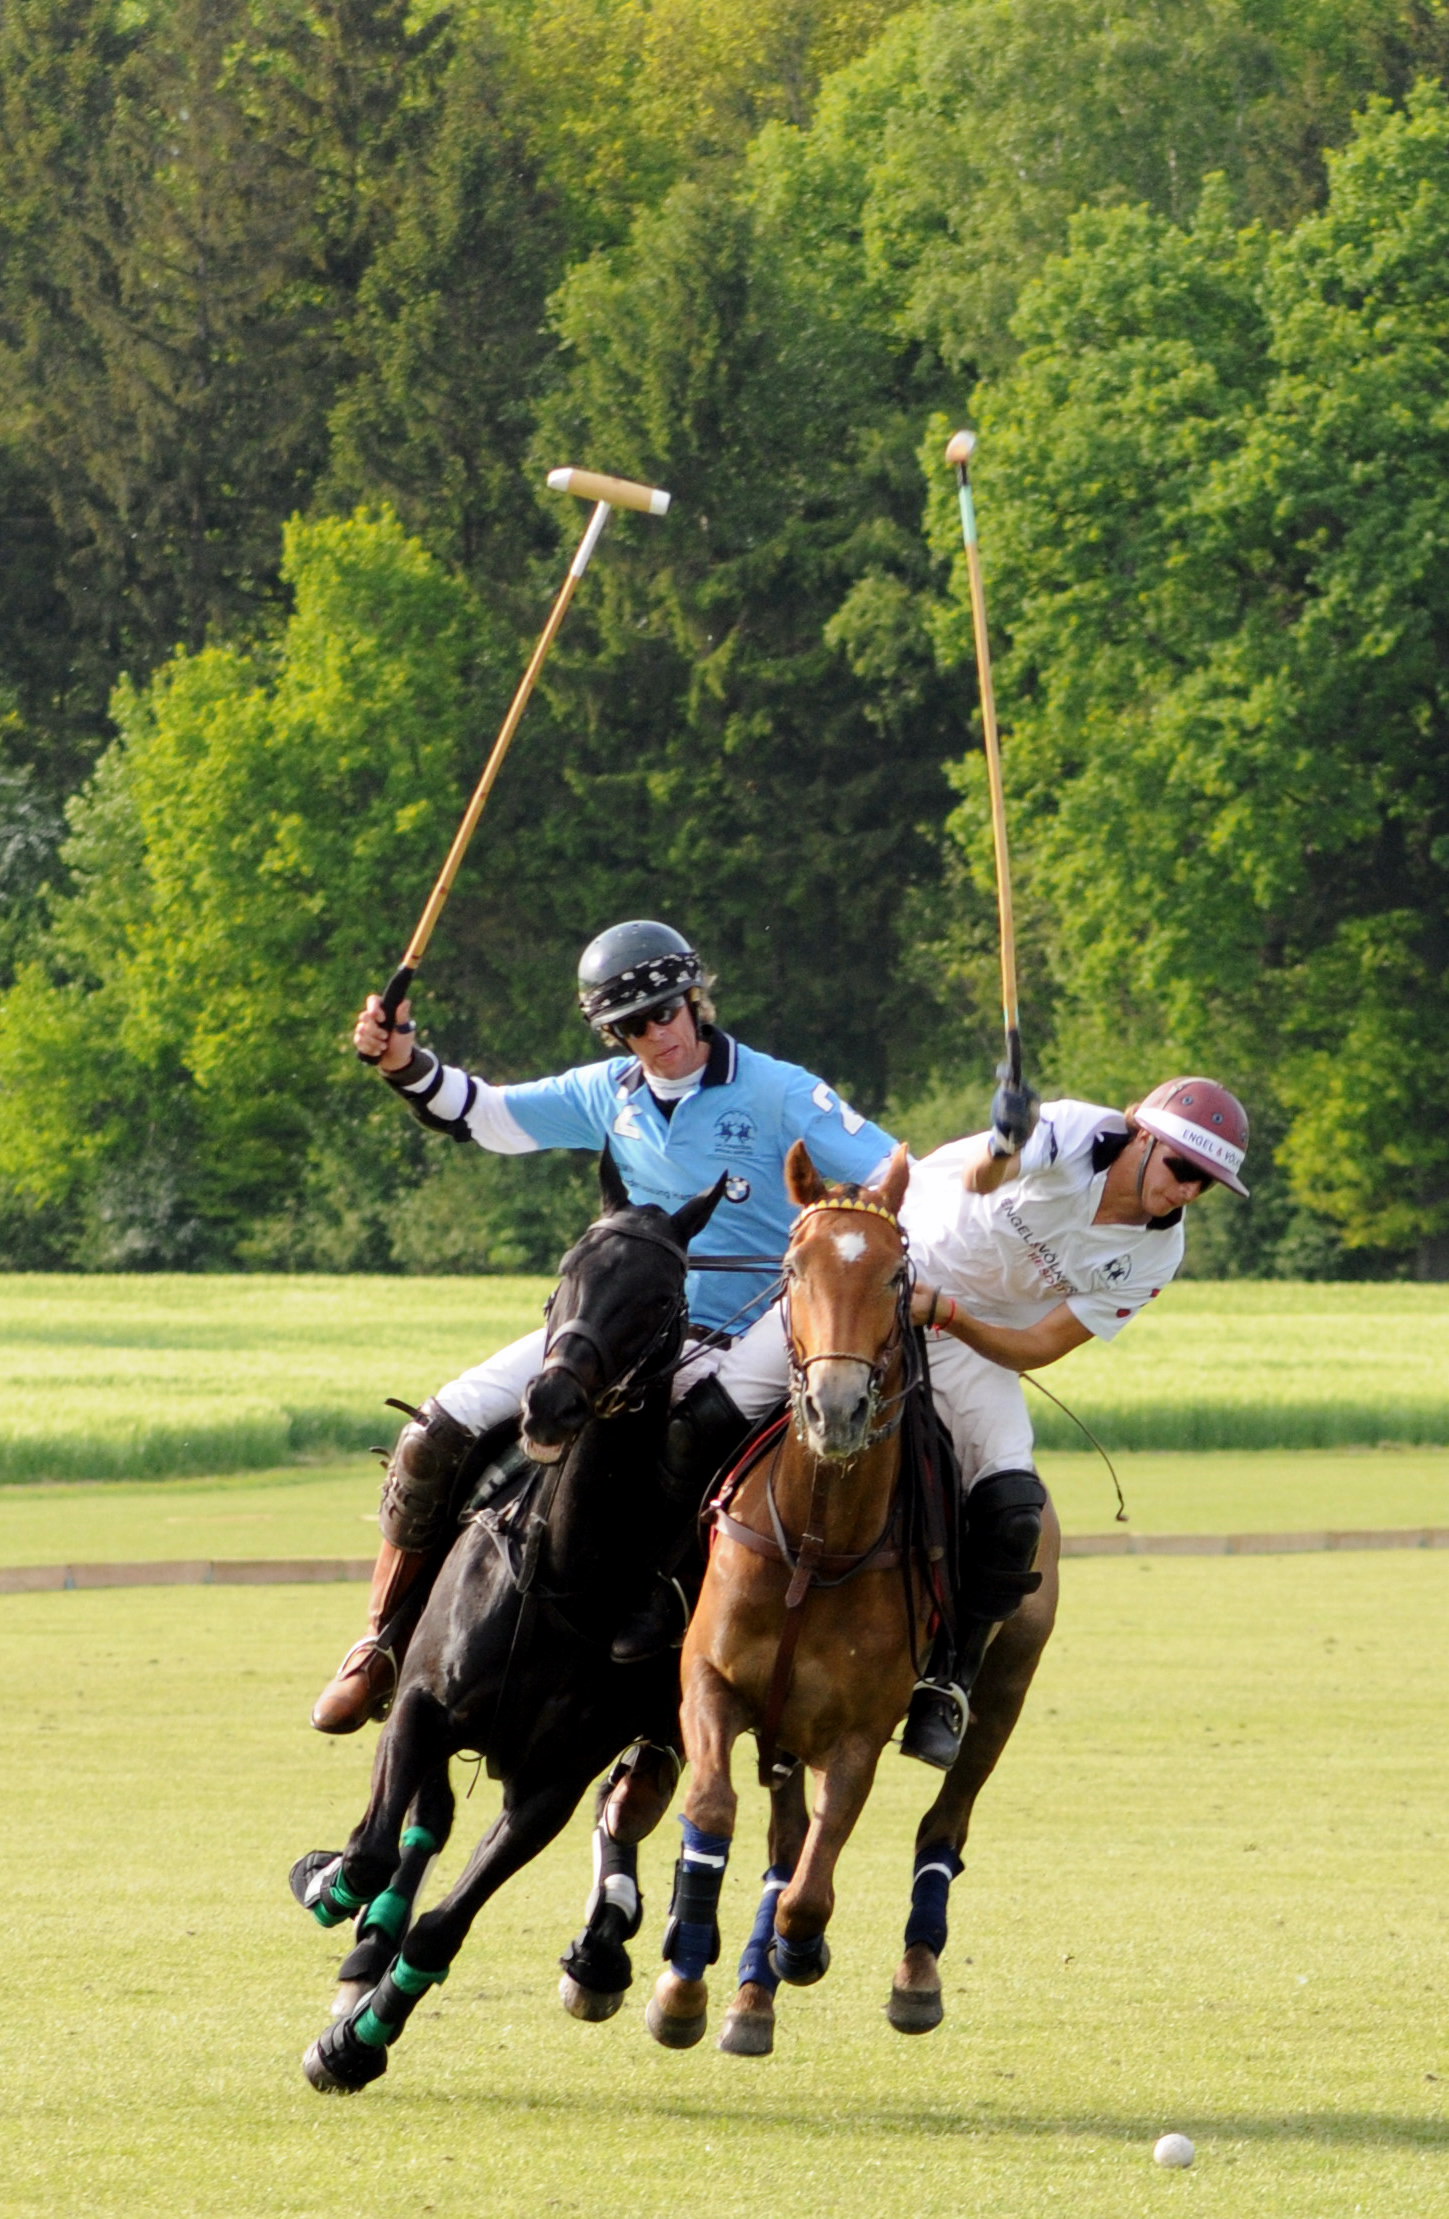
<point x="632" y="967"/>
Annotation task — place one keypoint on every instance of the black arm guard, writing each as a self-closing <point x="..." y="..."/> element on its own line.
<point x="424" y="1064"/>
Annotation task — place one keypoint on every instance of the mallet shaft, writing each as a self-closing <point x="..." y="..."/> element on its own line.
<point x="417" y="946"/>
<point x="959" y="452"/>
<point x="607" y="494"/>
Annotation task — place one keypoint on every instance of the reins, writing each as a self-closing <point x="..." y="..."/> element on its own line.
<point x="626" y="1390"/>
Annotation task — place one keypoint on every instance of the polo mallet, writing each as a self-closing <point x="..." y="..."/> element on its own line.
<point x="608" y="494"/>
<point x="959" y="450"/>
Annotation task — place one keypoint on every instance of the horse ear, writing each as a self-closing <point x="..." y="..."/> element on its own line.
<point x="692" y="1216"/>
<point x="892" y="1189"/>
<point x="611" y="1185"/>
<point x="803" y="1182"/>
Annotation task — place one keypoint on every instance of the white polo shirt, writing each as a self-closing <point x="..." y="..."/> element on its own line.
<point x="1012" y="1256"/>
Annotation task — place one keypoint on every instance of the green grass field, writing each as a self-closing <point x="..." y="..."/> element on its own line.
<point x="136" y="1377"/>
<point x="331" y="1510"/>
<point x="1205" y="1893"/>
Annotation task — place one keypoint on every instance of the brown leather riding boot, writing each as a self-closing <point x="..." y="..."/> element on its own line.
<point x="366" y="1679"/>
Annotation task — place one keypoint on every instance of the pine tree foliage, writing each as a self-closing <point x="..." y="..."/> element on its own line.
<point x="299" y="300"/>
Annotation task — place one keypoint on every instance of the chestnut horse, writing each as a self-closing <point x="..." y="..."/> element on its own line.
<point x="809" y="1627"/>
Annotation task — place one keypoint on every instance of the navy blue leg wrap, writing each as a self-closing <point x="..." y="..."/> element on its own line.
<point x="937" y="1865"/>
<point x="797" y="1961"/>
<point x="691" y="1939"/>
<point x="756" y="1963"/>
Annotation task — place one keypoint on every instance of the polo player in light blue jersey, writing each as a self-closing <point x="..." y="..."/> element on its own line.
<point x="679" y="1104"/>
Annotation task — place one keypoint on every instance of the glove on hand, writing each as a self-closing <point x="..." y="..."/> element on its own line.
<point x="1013" y="1117"/>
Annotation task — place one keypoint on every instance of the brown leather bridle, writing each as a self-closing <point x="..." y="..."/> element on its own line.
<point x="878" y="1367"/>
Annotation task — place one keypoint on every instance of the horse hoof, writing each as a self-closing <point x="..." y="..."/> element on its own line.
<point x="748" y="2034"/>
<point x="587" y="2003"/>
<point x="326" y="2082"/>
<point x="349" y="1994"/>
<point x="674" y="2033"/>
<point x="915" y="2010"/>
<point x="310" y="1874"/>
<point x="803" y="1975"/>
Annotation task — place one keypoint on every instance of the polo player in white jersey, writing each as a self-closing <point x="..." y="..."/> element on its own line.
<point x="1049" y="1230"/>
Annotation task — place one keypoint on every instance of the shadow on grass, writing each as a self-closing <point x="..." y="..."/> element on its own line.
<point x="1326" y="2129"/>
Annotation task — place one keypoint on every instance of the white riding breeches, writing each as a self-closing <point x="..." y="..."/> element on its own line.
<point x="981" y="1405"/>
<point x="493" y="1390"/>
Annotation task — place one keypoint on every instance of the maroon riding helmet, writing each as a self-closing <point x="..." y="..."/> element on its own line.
<point x="1200" y="1120"/>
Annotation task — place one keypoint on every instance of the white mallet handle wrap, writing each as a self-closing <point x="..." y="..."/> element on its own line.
<point x="621" y="493"/>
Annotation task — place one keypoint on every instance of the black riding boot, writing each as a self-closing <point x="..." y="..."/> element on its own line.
<point x="704" y="1429"/>
<point x="1003" y="1532"/>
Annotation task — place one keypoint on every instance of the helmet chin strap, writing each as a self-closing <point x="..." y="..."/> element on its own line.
<point x="1151" y="1139"/>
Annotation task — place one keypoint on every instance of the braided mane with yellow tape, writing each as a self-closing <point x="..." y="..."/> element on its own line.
<point x="844" y="1202"/>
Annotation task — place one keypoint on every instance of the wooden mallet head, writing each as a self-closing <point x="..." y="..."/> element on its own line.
<point x="620" y="493"/>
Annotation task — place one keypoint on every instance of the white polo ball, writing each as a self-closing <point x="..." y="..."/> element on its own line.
<point x="1175" y="2149"/>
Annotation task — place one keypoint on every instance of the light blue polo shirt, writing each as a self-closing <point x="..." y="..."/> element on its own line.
<point x="742" y="1120"/>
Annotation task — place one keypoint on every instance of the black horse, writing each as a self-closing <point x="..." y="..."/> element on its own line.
<point x="511" y="1656"/>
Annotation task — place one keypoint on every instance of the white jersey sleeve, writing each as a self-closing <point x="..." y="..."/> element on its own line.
<point x="1104" y="1312"/>
<point x="1066" y="1132"/>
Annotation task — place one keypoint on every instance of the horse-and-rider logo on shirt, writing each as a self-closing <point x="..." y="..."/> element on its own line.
<point x="735" y="1129"/>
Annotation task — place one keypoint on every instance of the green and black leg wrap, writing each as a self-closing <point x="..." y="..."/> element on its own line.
<point x="316" y="1881"/>
<point x="378" y="2022"/>
<point x="387" y="1917"/>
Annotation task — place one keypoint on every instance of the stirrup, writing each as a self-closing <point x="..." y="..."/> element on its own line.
<point x="935" y="1730"/>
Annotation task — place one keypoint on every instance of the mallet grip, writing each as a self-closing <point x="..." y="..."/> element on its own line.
<point x="620" y="493"/>
<point x="394" y="994"/>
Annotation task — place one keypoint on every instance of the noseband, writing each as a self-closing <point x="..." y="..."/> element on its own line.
<point x="624" y="1391"/>
<point x="877" y="1367"/>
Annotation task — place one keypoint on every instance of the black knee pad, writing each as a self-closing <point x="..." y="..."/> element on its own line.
<point x="704" y="1428"/>
<point x="1003" y="1532"/>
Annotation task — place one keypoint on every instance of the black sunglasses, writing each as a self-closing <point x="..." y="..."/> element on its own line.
<point x="1187" y="1174"/>
<point x="658" y="1013"/>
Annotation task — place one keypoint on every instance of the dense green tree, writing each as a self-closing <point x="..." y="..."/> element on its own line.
<point x="450" y="340"/>
<point x="236" y="862"/>
<point x="1218" y="550"/>
<point x="762" y="773"/>
<point x="970" y="133"/>
<point x="190" y="202"/>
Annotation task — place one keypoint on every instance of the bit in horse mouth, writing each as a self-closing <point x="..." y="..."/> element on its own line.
<point x="543" y="1452"/>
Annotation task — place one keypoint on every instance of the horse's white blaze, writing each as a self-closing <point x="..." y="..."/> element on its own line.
<point x="851" y="1246"/>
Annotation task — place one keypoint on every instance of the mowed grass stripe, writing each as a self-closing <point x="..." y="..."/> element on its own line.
<point x="145" y="1377"/>
<point x="1203" y="1893"/>
<point x="331" y="1511"/>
